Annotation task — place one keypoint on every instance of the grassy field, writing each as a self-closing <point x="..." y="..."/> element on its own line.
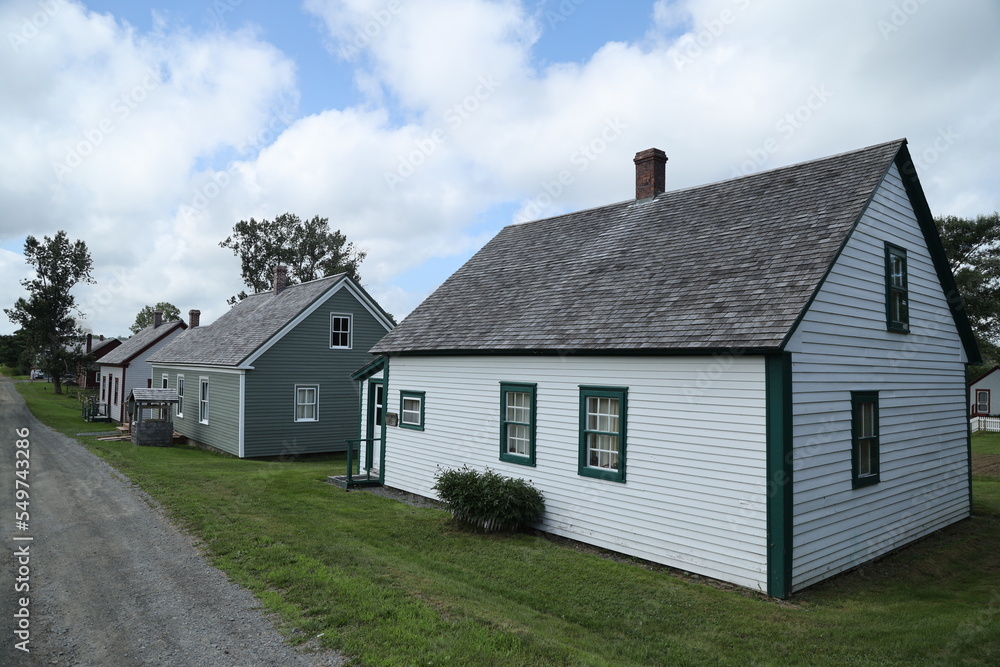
<point x="390" y="584"/>
<point x="986" y="443"/>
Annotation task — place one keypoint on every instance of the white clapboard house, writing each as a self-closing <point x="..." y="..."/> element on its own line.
<point x="984" y="393"/>
<point x="760" y="380"/>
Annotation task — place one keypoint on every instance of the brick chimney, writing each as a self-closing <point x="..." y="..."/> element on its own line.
<point x="90" y="343"/>
<point x="650" y="173"/>
<point x="194" y="318"/>
<point x="157" y="318"/>
<point x="280" y="278"/>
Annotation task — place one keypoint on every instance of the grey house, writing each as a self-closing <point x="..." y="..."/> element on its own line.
<point x="272" y="376"/>
<point x="760" y="380"/>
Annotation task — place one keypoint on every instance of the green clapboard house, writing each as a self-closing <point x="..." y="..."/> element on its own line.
<point x="271" y="377"/>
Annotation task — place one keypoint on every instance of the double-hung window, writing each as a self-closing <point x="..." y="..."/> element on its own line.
<point x="307" y="403"/>
<point x="864" y="438"/>
<point x="340" y="332"/>
<point x="164" y="381"/>
<point x="897" y="298"/>
<point x="411" y="409"/>
<point x="203" y="400"/>
<point x="517" y="423"/>
<point x="603" y="416"/>
<point x="180" y="396"/>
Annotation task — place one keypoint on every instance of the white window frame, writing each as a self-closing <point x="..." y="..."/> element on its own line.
<point x="315" y="403"/>
<point x="350" y="330"/>
<point x="203" y="402"/>
<point x="164" y="381"/>
<point x="180" y="396"/>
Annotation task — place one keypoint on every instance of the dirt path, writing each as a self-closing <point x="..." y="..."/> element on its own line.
<point x="987" y="465"/>
<point x="112" y="582"/>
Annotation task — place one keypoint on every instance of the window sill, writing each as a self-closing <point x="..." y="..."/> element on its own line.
<point x="601" y="473"/>
<point x="862" y="482"/>
<point x="519" y="460"/>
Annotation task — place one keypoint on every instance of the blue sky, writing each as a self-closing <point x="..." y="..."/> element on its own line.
<point x="421" y="127"/>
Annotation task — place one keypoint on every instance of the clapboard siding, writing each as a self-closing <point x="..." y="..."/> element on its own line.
<point x="303" y="357"/>
<point x="222" y="430"/>
<point x="695" y="491"/>
<point x="842" y="345"/>
<point x="114" y="402"/>
<point x="136" y="374"/>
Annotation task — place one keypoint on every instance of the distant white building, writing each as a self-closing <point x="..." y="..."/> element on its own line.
<point x="982" y="392"/>
<point x="126" y="367"/>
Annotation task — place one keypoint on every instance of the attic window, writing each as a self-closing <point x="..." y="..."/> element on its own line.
<point x="340" y="332"/>
<point x="897" y="298"/>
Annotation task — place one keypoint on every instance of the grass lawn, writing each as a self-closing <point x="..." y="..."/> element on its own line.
<point x="986" y="443"/>
<point x="391" y="584"/>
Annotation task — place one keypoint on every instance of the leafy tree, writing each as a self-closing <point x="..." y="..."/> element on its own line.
<point x="14" y="352"/>
<point x="973" y="250"/>
<point x="145" y="316"/>
<point x="46" y="316"/>
<point x="307" y="247"/>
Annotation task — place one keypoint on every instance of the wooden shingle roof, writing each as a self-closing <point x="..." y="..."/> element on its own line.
<point x="139" y="343"/>
<point x="252" y="323"/>
<point x="730" y="265"/>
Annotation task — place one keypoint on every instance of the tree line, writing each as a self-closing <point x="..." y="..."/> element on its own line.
<point x="49" y="337"/>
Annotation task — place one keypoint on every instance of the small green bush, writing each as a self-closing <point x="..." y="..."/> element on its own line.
<point x="487" y="500"/>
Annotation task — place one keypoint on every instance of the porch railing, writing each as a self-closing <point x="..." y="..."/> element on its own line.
<point x="368" y="472"/>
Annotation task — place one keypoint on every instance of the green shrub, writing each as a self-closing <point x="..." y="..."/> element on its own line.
<point x="487" y="500"/>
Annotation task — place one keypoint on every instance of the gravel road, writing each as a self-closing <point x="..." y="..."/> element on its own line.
<point x="112" y="582"/>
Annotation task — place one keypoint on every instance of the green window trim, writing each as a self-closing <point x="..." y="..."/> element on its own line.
<point x="603" y="419"/>
<point x="897" y="293"/>
<point x="516" y="399"/>
<point x="406" y="396"/>
<point x="865" y="446"/>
